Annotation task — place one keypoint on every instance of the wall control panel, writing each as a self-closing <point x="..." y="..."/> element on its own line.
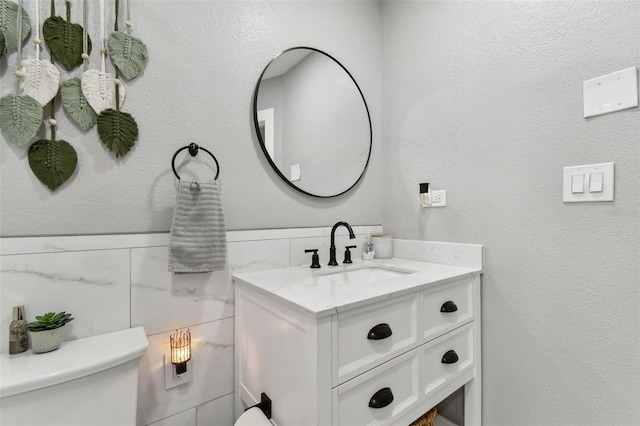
<point x="295" y="172"/>
<point x="589" y="183"/>
<point x="611" y="92"/>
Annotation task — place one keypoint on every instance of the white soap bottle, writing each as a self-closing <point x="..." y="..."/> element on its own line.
<point x="368" y="250"/>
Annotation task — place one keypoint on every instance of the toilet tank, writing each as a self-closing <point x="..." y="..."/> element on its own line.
<point x="90" y="381"/>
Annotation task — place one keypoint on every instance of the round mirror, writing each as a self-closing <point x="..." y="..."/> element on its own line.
<point x="312" y="122"/>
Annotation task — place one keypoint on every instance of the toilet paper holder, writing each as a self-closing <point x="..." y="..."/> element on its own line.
<point x="264" y="405"/>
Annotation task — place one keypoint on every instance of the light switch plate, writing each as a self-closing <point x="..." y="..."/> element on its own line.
<point x="611" y="92"/>
<point x="171" y="379"/>
<point x="608" y="178"/>
<point x="295" y="172"/>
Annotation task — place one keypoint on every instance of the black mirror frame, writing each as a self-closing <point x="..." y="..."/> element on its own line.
<point x="262" y="143"/>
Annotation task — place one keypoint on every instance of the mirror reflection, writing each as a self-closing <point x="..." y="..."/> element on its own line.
<point x="312" y="122"/>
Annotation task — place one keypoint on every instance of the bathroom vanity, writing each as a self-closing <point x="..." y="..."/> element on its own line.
<point x="374" y="343"/>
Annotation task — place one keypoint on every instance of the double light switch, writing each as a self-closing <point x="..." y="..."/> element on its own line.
<point x="593" y="182"/>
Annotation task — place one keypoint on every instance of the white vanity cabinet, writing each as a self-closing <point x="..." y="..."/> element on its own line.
<point x="384" y="358"/>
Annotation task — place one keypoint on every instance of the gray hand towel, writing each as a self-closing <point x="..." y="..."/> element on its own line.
<point x="197" y="242"/>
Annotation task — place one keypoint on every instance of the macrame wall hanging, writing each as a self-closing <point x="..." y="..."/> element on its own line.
<point x="95" y="98"/>
<point x="128" y="54"/>
<point x="65" y="39"/>
<point x="12" y="33"/>
<point x="54" y="161"/>
<point x="73" y="99"/>
<point x="40" y="79"/>
<point x="117" y="129"/>
<point x="98" y="86"/>
<point x="20" y="115"/>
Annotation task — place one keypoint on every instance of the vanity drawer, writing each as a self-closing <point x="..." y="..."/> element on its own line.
<point x="446" y="307"/>
<point x="369" y="336"/>
<point x="379" y="396"/>
<point x="446" y="358"/>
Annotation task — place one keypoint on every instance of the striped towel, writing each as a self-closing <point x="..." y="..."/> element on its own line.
<point x="197" y="242"/>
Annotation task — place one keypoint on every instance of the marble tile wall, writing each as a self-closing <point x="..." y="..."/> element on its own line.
<point x="93" y="285"/>
<point x="111" y="282"/>
<point x="455" y="254"/>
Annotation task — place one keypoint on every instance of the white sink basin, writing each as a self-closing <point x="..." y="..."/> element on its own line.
<point x="359" y="274"/>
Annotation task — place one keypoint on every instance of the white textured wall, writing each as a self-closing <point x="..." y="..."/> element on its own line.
<point x="484" y="99"/>
<point x="205" y="58"/>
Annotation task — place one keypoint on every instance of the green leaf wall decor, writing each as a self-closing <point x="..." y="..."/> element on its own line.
<point x="41" y="80"/>
<point x="128" y="53"/>
<point x="20" y="118"/>
<point x="65" y="41"/>
<point x="99" y="90"/>
<point x="9" y="25"/>
<point x="77" y="105"/>
<point x="53" y="162"/>
<point x="118" y="131"/>
<point x="3" y="47"/>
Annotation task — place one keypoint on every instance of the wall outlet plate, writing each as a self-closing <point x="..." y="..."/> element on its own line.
<point x="171" y="379"/>
<point x="611" y="92"/>
<point x="438" y="198"/>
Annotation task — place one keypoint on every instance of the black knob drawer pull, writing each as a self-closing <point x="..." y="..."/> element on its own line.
<point x="448" y="307"/>
<point x="381" y="399"/>
<point x="379" y="332"/>
<point x="450" y="357"/>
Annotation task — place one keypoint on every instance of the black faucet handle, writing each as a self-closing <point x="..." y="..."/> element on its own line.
<point x="315" y="259"/>
<point x="347" y="254"/>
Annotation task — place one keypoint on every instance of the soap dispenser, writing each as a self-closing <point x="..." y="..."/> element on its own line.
<point x="18" y="342"/>
<point x="368" y="250"/>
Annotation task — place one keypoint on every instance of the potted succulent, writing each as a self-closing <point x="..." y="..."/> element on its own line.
<point x="46" y="331"/>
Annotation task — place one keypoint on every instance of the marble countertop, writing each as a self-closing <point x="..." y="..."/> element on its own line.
<point x="320" y="292"/>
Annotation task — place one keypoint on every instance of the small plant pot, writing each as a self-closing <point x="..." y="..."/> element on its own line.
<point x="47" y="340"/>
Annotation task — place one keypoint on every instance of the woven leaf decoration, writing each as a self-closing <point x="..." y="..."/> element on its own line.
<point x="3" y="47"/>
<point x="64" y="39"/>
<point x="118" y="131"/>
<point x="53" y="162"/>
<point x="20" y="118"/>
<point x="98" y="88"/>
<point x="128" y="53"/>
<point x="41" y="80"/>
<point x="9" y="24"/>
<point x="76" y="104"/>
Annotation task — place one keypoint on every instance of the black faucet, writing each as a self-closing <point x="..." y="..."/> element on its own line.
<point x="332" y="249"/>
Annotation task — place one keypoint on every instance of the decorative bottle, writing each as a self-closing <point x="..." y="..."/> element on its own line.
<point x="18" y="342"/>
<point x="368" y="250"/>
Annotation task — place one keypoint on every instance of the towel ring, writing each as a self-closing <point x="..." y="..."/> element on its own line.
<point x="193" y="150"/>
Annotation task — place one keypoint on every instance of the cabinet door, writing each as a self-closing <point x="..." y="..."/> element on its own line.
<point x="446" y="358"/>
<point x="368" y="336"/>
<point x="446" y="307"/>
<point x="379" y="396"/>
